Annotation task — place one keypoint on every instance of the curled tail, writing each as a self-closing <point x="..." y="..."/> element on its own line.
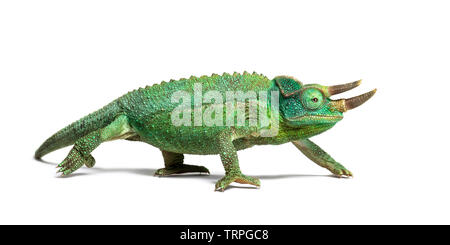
<point x="68" y="135"/>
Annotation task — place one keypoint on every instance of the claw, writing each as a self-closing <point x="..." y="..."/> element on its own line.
<point x="223" y="183"/>
<point x="342" y="173"/>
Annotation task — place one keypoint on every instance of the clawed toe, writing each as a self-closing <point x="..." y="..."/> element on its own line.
<point x="223" y="183"/>
<point x="73" y="162"/>
<point x="342" y="173"/>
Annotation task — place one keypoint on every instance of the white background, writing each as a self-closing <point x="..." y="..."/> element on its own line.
<point x="60" y="60"/>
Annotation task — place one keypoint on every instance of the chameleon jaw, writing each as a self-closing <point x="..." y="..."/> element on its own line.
<point x="316" y="118"/>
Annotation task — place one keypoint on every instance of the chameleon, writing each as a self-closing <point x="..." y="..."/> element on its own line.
<point x="295" y="112"/>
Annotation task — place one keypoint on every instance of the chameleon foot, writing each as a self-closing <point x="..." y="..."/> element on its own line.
<point x="74" y="161"/>
<point x="223" y="183"/>
<point x="181" y="169"/>
<point x="341" y="172"/>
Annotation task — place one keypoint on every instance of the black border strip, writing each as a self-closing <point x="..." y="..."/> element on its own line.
<point x="223" y="234"/>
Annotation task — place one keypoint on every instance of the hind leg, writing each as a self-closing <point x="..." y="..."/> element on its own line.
<point x="174" y="165"/>
<point x="80" y="154"/>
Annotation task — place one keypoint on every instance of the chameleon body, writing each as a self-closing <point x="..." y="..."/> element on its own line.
<point x="298" y="112"/>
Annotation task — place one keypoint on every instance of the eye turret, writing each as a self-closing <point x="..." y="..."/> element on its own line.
<point x="312" y="98"/>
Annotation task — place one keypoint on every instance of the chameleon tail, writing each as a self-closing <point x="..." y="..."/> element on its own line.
<point x="68" y="135"/>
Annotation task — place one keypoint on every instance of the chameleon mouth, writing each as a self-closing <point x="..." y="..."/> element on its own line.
<point x="314" y="118"/>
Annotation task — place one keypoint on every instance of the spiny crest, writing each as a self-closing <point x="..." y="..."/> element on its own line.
<point x="194" y="78"/>
<point x="225" y="74"/>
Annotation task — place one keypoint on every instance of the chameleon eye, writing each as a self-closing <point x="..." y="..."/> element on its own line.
<point x="312" y="99"/>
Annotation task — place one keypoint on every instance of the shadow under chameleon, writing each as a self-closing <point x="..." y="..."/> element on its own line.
<point x="212" y="177"/>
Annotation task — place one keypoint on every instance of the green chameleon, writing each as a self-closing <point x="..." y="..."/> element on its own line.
<point x="148" y="115"/>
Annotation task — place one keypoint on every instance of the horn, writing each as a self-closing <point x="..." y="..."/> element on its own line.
<point x="344" y="105"/>
<point x="337" y="89"/>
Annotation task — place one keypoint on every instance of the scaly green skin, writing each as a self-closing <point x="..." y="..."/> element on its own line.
<point x="145" y="115"/>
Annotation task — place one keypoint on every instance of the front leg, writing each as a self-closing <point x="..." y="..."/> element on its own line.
<point x="230" y="162"/>
<point x="319" y="156"/>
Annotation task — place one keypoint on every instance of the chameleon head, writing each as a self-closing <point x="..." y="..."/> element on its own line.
<point x="310" y="104"/>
